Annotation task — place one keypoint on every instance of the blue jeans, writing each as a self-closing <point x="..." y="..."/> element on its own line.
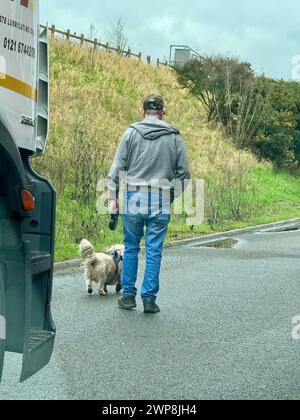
<point x="147" y="213"/>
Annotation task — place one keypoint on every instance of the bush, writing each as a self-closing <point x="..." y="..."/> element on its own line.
<point x="257" y="113"/>
<point x="229" y="92"/>
<point x="278" y="138"/>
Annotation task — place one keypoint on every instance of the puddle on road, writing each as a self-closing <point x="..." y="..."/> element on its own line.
<point x="226" y="243"/>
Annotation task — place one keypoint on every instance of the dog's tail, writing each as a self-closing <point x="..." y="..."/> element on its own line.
<point x="87" y="252"/>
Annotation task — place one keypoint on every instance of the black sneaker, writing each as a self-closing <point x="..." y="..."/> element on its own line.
<point x="150" y="307"/>
<point x="127" y="303"/>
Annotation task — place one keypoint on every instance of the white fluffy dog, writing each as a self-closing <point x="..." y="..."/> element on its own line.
<point x="104" y="269"/>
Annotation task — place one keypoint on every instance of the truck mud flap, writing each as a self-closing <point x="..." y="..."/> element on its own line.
<point x="39" y="337"/>
<point x="14" y="298"/>
<point x="37" y="352"/>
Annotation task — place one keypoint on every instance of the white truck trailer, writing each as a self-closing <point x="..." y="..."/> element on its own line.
<point x="27" y="200"/>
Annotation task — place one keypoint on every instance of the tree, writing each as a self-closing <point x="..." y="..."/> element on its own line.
<point x="230" y="93"/>
<point x="116" y="35"/>
<point x="278" y="138"/>
<point x="207" y="79"/>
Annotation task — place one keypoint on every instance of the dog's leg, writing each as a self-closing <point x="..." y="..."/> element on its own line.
<point x="102" y="288"/>
<point x="89" y="285"/>
<point x="119" y="287"/>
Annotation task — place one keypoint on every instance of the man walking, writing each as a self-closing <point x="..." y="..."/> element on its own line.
<point x="153" y="156"/>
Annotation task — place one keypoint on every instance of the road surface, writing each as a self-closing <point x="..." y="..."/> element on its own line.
<point x="225" y="331"/>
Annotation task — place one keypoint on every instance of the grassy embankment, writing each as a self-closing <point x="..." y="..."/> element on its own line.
<point x="94" y="98"/>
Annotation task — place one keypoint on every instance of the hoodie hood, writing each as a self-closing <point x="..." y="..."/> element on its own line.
<point x="152" y="129"/>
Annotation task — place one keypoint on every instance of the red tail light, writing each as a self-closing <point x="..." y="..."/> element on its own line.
<point x="28" y="201"/>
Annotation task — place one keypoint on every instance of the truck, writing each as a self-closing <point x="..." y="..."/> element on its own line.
<point x="27" y="200"/>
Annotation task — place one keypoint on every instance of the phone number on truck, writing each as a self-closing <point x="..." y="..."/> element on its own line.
<point x="20" y="47"/>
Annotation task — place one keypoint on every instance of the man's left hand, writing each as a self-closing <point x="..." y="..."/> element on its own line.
<point x="113" y="207"/>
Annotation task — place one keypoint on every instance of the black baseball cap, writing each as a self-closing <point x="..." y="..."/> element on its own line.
<point x="154" y="103"/>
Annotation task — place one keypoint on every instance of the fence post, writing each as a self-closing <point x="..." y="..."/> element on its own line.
<point x="107" y="47"/>
<point x="129" y="53"/>
<point x="52" y="31"/>
<point x="82" y="40"/>
<point x="140" y="56"/>
<point x="149" y="59"/>
<point x="95" y="44"/>
<point x="68" y="35"/>
<point x="158" y="63"/>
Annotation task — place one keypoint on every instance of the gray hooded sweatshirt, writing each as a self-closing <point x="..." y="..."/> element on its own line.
<point x="152" y="153"/>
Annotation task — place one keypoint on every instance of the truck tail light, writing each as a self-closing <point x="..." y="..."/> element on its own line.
<point x="28" y="201"/>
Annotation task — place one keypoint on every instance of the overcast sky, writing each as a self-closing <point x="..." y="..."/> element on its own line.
<point x="263" y="32"/>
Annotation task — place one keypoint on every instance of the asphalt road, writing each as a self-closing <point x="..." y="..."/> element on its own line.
<point x="225" y="331"/>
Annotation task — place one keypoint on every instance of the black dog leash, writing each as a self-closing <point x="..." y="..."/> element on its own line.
<point x="115" y="255"/>
<point x="117" y="258"/>
<point x="114" y="219"/>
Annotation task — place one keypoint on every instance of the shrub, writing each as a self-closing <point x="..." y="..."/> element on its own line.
<point x="278" y="137"/>
<point x="230" y="93"/>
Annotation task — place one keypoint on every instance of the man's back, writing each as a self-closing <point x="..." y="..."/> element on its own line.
<point x="151" y="151"/>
